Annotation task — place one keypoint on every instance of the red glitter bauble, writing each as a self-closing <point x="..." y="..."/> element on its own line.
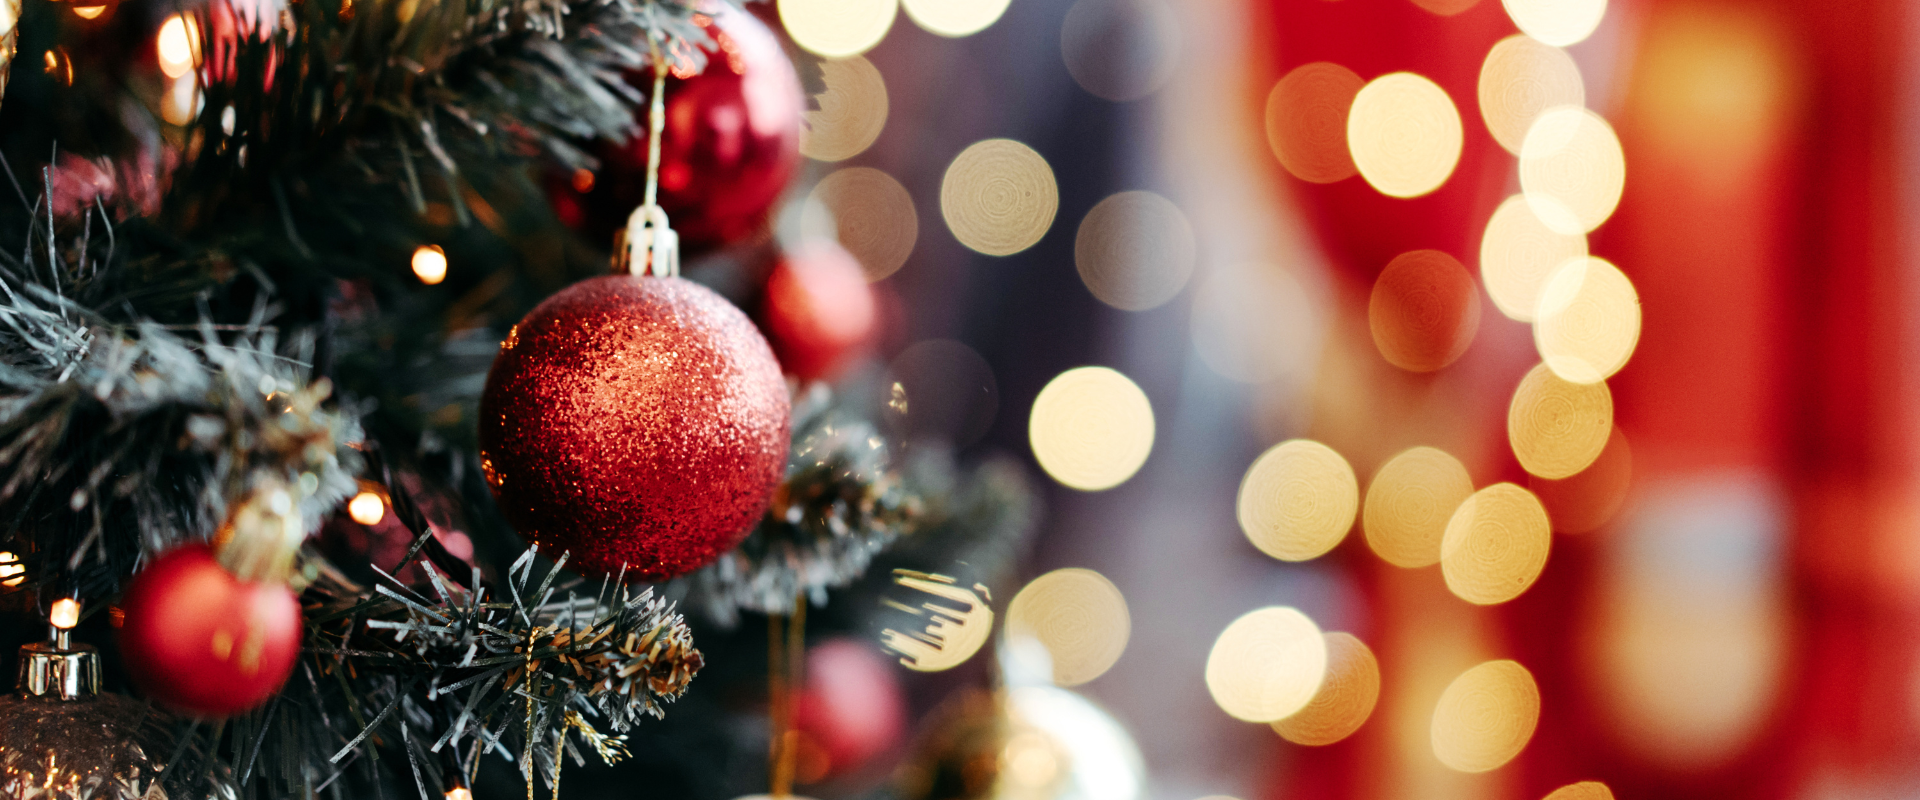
<point x="634" y="422"/>
<point x="203" y="641"/>
<point x="730" y="146"/>
<point x="819" y="310"/>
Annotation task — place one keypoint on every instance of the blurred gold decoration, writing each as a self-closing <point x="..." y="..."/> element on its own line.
<point x="1522" y="78"/>
<point x="954" y="18"/>
<point x="1120" y="50"/>
<point x="1495" y="545"/>
<point x="1307" y="121"/>
<point x="1409" y="502"/>
<point x="1556" y="427"/>
<point x="1079" y="616"/>
<point x="1345" y="699"/>
<point x="1091" y="428"/>
<point x="998" y="197"/>
<point x="1584" y="790"/>
<point x="1518" y="253"/>
<point x="1423" y="311"/>
<point x="177" y="45"/>
<point x="1266" y="665"/>
<point x="1572" y="169"/>
<point x="1298" y="500"/>
<point x="837" y="28"/>
<point x="1028" y="743"/>
<point x="12" y="572"/>
<point x="1590" y="498"/>
<point x="952" y="634"/>
<point x="1486" y="716"/>
<point x="1588" y="320"/>
<point x="1404" y="134"/>
<point x="1560" y="23"/>
<point x="1135" y="250"/>
<point x="872" y="215"/>
<point x="853" y="111"/>
<point x="9" y="39"/>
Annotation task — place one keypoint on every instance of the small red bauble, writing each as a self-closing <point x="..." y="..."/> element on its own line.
<point x="852" y="708"/>
<point x="637" y="422"/>
<point x="730" y="145"/>
<point x="819" y="310"/>
<point x="198" y="639"/>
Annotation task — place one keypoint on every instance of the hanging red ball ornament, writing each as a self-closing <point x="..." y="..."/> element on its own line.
<point x="730" y="145"/>
<point x="203" y="641"/>
<point x="819" y="310"/>
<point x="636" y="423"/>
<point x="851" y="709"/>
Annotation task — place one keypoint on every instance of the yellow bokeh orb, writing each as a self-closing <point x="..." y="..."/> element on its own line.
<point x="1091" y="428"/>
<point x="1298" y="500"/>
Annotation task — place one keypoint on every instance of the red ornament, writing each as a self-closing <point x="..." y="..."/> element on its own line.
<point x="203" y="641"/>
<point x="851" y="709"/>
<point x="820" y="312"/>
<point x="730" y="146"/>
<point x="634" y="421"/>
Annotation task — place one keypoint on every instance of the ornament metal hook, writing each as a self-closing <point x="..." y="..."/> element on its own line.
<point x="648" y="245"/>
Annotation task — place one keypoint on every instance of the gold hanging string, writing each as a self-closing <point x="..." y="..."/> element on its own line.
<point x="656" y="119"/>
<point x="785" y="669"/>
<point x="647" y="241"/>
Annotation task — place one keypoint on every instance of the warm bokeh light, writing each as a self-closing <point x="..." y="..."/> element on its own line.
<point x="459" y="793"/>
<point x="1423" y="311"/>
<point x="1298" y="500"/>
<point x="837" y="28"/>
<point x="1135" y="250"/>
<point x="1557" y="22"/>
<point x="1522" y="78"/>
<point x="1591" y="497"/>
<point x="367" y="508"/>
<point x="1409" y="502"/>
<point x="64" y="614"/>
<point x="958" y="622"/>
<point x="89" y="12"/>
<point x="12" y="572"/>
<point x="998" y="197"/>
<point x="1572" y="169"/>
<point x="1558" y="427"/>
<point x="1584" y="790"/>
<point x="1079" y="616"/>
<point x="1518" y="252"/>
<point x="583" y="180"/>
<point x="176" y="44"/>
<point x="1091" y="428"/>
<point x="1404" y="134"/>
<point x="1495" y="545"/>
<point x="1345" y="700"/>
<point x="1267" y="665"/>
<point x="1120" y="50"/>
<point x="872" y="215"/>
<point x="1587" y="321"/>
<point x="954" y="18"/>
<point x="1307" y="121"/>
<point x="430" y="264"/>
<point x="1486" y="716"/>
<point x="182" y="102"/>
<point x="852" y="112"/>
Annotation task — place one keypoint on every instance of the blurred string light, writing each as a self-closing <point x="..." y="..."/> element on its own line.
<point x="837" y="28"/>
<point x="1091" y="428"/>
<point x="1584" y="790"/>
<point x="1517" y="254"/>
<point x="89" y="12"/>
<point x="1409" y="502"/>
<point x="367" y="508"/>
<point x="1588" y="320"/>
<point x="1423" y="311"/>
<point x="852" y="112"/>
<point x="1120" y="50"/>
<point x="1307" y="121"/>
<point x="12" y="572"/>
<point x="1590" y="498"/>
<point x="1557" y="427"/>
<point x="1404" y="134"/>
<point x="178" y="38"/>
<point x="872" y="215"/>
<point x="954" y="18"/>
<point x="957" y="622"/>
<point x="1079" y="616"/>
<point x="998" y="197"/>
<point x="1495" y="545"/>
<point x="1486" y="716"/>
<point x="182" y="101"/>
<point x="1266" y="665"/>
<point x="1572" y="169"/>
<point x="1345" y="700"/>
<point x="1520" y="79"/>
<point x="1256" y="323"/>
<point x="1560" y="23"/>
<point x="1298" y="500"/>
<point x="1135" y="250"/>
<point x="430" y="264"/>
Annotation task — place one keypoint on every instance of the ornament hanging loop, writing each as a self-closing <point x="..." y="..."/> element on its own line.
<point x="648" y="242"/>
